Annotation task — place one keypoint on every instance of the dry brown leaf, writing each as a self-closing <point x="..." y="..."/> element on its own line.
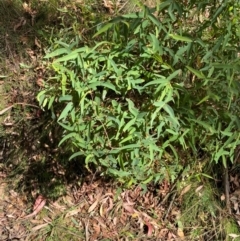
<point x="97" y="230"/>
<point x="37" y="43"/>
<point x="232" y="235"/>
<point x="5" y="109"/>
<point x="57" y="206"/>
<point x="13" y="193"/>
<point x="180" y="233"/>
<point x="163" y="232"/>
<point x="8" y="124"/>
<point x="222" y="198"/>
<point x="199" y="188"/>
<point x="172" y="236"/>
<point x="68" y="200"/>
<point x="26" y="7"/>
<point x="2" y="190"/>
<point x="129" y="208"/>
<point x="115" y="220"/>
<point x="110" y="205"/>
<point x="40" y="226"/>
<point x="101" y="210"/>
<point x="185" y="190"/>
<point x="21" y="23"/>
<point x="94" y="205"/>
<point x="108" y="5"/>
<point x="72" y="212"/>
<point x="101" y="222"/>
<point x="40" y="82"/>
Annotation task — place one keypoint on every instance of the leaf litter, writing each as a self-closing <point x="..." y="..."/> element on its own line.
<point x="98" y="209"/>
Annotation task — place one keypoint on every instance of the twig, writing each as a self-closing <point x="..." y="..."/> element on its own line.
<point x="171" y="189"/>
<point x="86" y="231"/>
<point x="227" y="189"/>
<point x="170" y="206"/>
<point x="19" y="103"/>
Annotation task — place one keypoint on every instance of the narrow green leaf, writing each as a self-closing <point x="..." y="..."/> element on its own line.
<point x="67" y="57"/>
<point x="129" y="124"/>
<point x="151" y="152"/>
<point x="66" y="110"/>
<point x="129" y="137"/>
<point x="199" y="74"/>
<point x="149" y="179"/>
<point x="131" y="146"/>
<point x="67" y="127"/>
<point x="180" y="38"/>
<point x="65" y="98"/>
<point x="154" y="20"/>
<point x="68" y="136"/>
<point x="103" y="29"/>
<point x="203" y="100"/>
<point x="57" y="53"/>
<point x="205" y="125"/>
<point x="79" y="153"/>
<point x="162" y="81"/>
<point x="173" y="75"/>
<point x="159" y="104"/>
<point x="132" y="108"/>
<point x="104" y="84"/>
<point x="51" y="102"/>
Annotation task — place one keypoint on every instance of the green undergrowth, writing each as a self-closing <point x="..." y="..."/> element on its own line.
<point x="151" y="86"/>
<point x="141" y="96"/>
<point x="145" y="91"/>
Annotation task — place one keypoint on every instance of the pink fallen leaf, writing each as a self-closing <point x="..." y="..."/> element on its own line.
<point x="150" y="228"/>
<point x="38" y="206"/>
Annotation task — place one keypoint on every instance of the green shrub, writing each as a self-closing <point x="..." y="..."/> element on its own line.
<point x="157" y="84"/>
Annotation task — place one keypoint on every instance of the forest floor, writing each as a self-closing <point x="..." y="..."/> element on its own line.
<point x="45" y="197"/>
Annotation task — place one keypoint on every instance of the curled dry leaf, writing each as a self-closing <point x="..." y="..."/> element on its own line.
<point x="150" y="228"/>
<point x="128" y="208"/>
<point x="22" y="22"/>
<point x="108" y="5"/>
<point x="101" y="210"/>
<point x="110" y="205"/>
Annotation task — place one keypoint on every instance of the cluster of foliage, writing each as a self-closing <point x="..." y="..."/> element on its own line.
<point x="156" y="84"/>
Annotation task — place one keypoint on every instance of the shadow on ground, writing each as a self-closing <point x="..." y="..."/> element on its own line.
<point x="30" y="154"/>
